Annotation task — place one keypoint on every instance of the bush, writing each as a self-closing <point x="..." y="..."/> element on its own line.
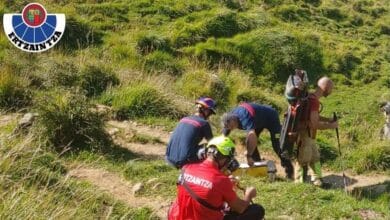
<point x="151" y="42"/>
<point x="313" y="2"/>
<point x="67" y="121"/>
<point x="347" y="63"/>
<point x="240" y="5"/>
<point x="373" y="157"/>
<point x="95" y="79"/>
<point x="160" y="62"/>
<point x="273" y="3"/>
<point x="292" y="13"/>
<point x="384" y="29"/>
<point x="79" y="35"/>
<point x="333" y="13"/>
<point x="274" y="54"/>
<point x="357" y="20"/>
<point x="61" y="73"/>
<point x="140" y="100"/>
<point x="201" y="83"/>
<point x="14" y="93"/>
<point x="227" y="25"/>
<point x="258" y="95"/>
<point x="189" y="34"/>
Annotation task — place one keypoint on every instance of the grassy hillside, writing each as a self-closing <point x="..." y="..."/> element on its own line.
<point x="150" y="59"/>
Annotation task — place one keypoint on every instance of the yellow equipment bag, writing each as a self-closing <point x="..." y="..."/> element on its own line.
<point x="259" y="169"/>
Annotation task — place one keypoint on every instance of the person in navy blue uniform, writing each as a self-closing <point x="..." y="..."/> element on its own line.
<point x="254" y="118"/>
<point x="184" y="145"/>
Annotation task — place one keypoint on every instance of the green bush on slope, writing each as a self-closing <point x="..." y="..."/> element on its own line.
<point x="66" y="121"/>
<point x="14" y="93"/>
<point x="270" y="53"/>
<point x="140" y="100"/>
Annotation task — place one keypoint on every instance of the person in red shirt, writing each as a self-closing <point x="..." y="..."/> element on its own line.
<point x="205" y="192"/>
<point x="308" y="154"/>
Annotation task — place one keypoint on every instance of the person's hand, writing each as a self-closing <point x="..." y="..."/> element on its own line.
<point x="234" y="180"/>
<point x="250" y="193"/>
<point x="334" y="125"/>
<point x="250" y="160"/>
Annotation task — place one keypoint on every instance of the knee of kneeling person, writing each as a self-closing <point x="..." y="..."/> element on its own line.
<point x="255" y="211"/>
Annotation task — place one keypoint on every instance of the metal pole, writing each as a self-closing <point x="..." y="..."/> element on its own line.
<point x="338" y="143"/>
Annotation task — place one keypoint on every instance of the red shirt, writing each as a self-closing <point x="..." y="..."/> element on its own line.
<point x="314" y="103"/>
<point x="210" y="184"/>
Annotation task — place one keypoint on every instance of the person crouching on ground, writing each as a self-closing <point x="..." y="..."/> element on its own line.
<point x="254" y="118"/>
<point x="183" y="145"/>
<point x="204" y="189"/>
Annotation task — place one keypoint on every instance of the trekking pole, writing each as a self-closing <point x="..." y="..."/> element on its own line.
<point x="338" y="143"/>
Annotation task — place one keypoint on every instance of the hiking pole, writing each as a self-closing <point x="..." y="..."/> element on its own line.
<point x="338" y="143"/>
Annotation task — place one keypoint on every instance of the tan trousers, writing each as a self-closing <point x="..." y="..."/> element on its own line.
<point x="308" y="155"/>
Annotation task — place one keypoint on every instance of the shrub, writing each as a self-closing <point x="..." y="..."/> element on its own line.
<point x="14" y="93"/>
<point x="292" y="13"/>
<point x="227" y="25"/>
<point x="201" y="83"/>
<point x="67" y="121"/>
<point x="160" y="62"/>
<point x="347" y="63"/>
<point x="96" y="79"/>
<point x="273" y="3"/>
<point x="357" y="20"/>
<point x="141" y="100"/>
<point x="270" y="53"/>
<point x="333" y="13"/>
<point x="79" y="35"/>
<point x="313" y="2"/>
<point x="61" y="73"/>
<point x="386" y="82"/>
<point x="151" y="42"/>
<point x="189" y="34"/>
<point x="259" y="96"/>
<point x="384" y="29"/>
<point x="373" y="157"/>
<point x="240" y="5"/>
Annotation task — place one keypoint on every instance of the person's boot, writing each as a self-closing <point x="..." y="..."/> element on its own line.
<point x="302" y="174"/>
<point x="317" y="174"/>
<point x="288" y="168"/>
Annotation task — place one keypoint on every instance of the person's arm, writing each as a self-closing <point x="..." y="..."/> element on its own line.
<point x="317" y="123"/>
<point x="208" y="134"/>
<point x="240" y="205"/>
<point x="251" y="144"/>
<point x="324" y="119"/>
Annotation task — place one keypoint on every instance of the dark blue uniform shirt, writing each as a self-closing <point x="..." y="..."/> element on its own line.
<point x="184" y="142"/>
<point x="257" y="117"/>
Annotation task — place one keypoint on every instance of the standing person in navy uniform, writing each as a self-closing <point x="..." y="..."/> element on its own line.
<point x="254" y="118"/>
<point x="183" y="145"/>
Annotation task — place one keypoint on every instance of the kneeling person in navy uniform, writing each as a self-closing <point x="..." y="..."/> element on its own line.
<point x="183" y="145"/>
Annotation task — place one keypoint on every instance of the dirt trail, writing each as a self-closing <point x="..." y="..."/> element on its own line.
<point x="142" y="129"/>
<point x="372" y="182"/>
<point x="119" y="189"/>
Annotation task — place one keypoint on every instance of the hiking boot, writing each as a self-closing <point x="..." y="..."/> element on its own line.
<point x="302" y="175"/>
<point x="318" y="182"/>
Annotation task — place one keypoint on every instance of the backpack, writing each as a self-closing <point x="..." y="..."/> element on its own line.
<point x="297" y="95"/>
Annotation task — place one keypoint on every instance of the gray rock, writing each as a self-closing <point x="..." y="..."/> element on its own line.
<point x="27" y="120"/>
<point x="137" y="188"/>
